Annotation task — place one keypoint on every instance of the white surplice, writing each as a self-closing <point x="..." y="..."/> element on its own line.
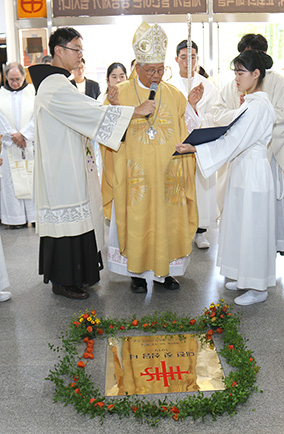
<point x="205" y="188"/>
<point x="223" y="111"/>
<point x="4" y="279"/>
<point x="68" y="194"/>
<point x="16" y="109"/>
<point x="247" y="234"/>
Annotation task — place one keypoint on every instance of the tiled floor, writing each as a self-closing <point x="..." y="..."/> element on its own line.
<point x="35" y="316"/>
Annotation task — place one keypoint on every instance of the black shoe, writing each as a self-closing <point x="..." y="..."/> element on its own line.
<point x="170" y="283"/>
<point x="138" y="285"/>
<point x="18" y="226"/>
<point x="281" y="252"/>
<point x="70" y="292"/>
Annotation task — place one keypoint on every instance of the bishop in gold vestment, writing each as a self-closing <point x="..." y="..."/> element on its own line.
<point x="154" y="217"/>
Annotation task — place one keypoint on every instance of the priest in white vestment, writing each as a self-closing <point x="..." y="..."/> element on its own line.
<point x="67" y="189"/>
<point x="247" y="234"/>
<point x="227" y="105"/>
<point x="17" y="130"/>
<point x="202" y="117"/>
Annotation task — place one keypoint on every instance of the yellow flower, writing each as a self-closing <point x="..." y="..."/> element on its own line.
<point x="214" y="319"/>
<point x="89" y="319"/>
<point x="92" y="322"/>
<point x="222" y="301"/>
<point x="97" y="321"/>
<point x="217" y="305"/>
<point x="81" y="320"/>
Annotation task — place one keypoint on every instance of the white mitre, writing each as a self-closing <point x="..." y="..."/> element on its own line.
<point x="150" y="44"/>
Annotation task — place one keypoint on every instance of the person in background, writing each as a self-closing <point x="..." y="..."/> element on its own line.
<point x="247" y="232"/>
<point x="202" y="112"/>
<point x="17" y="129"/>
<point x="230" y="99"/>
<point x="85" y="86"/>
<point x="46" y="60"/>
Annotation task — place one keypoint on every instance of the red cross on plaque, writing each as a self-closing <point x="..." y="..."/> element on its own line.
<point x="31" y="6"/>
<point x="164" y="374"/>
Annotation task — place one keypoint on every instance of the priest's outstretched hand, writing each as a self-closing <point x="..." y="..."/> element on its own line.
<point x="185" y="147"/>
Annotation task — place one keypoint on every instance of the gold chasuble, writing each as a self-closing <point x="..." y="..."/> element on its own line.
<point x="153" y="192"/>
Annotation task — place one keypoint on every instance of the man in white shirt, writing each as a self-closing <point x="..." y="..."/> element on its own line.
<point x="201" y="114"/>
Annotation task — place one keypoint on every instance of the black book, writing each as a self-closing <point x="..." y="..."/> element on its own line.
<point x="205" y="135"/>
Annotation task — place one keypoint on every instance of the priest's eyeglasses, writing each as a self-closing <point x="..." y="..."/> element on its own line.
<point x="78" y="50"/>
<point x="152" y="71"/>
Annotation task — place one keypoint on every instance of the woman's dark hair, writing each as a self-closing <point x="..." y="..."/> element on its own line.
<point x="251" y="41"/>
<point x="114" y="66"/>
<point x="252" y="60"/>
<point x="62" y="36"/>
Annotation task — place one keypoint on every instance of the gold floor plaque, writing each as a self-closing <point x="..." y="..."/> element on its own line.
<point x="161" y="364"/>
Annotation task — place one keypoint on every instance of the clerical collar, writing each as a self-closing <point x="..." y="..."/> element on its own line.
<point x="142" y="85"/>
<point x="39" y="72"/>
<point x="8" y="87"/>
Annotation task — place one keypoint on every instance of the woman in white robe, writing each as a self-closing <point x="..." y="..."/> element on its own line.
<point x="247" y="234"/>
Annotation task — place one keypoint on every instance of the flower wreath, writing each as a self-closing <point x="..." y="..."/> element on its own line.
<point x="74" y="386"/>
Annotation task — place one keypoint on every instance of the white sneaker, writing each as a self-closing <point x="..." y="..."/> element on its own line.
<point x="251" y="297"/>
<point x="4" y="296"/>
<point x="232" y="286"/>
<point x="201" y="241"/>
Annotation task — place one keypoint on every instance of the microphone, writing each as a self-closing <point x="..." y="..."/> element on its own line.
<point x="153" y="90"/>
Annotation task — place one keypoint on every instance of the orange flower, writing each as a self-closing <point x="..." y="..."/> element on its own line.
<point x="224" y="309"/>
<point x="164" y="409"/>
<point x="91" y="342"/>
<point x="229" y="314"/>
<point x="91" y="356"/>
<point x="135" y="322"/>
<point x="174" y="409"/>
<point x="86" y="340"/>
<point x="73" y="384"/>
<point x="210" y="332"/>
<point x="145" y="325"/>
<point x="175" y="416"/>
<point x="111" y="326"/>
<point x="77" y="390"/>
<point x="222" y="316"/>
<point x="93" y="312"/>
<point x="219" y="330"/>
<point x="86" y="355"/>
<point x="134" y="408"/>
<point x="192" y="321"/>
<point x="89" y="329"/>
<point x="92" y="400"/>
<point x="99" y="331"/>
<point x="110" y="407"/>
<point x="122" y="327"/>
<point x="89" y="350"/>
<point x="231" y="347"/>
<point x="86" y="315"/>
<point x="251" y="359"/>
<point x="212" y="314"/>
<point x="99" y="404"/>
<point x="81" y="364"/>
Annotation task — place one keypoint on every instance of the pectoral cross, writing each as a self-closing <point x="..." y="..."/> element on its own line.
<point x="151" y="132"/>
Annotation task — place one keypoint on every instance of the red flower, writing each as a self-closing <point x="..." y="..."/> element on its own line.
<point x="164" y="409"/>
<point x="73" y="384"/>
<point x="145" y="325"/>
<point x="134" y="408"/>
<point x="91" y="356"/>
<point x="212" y="314"/>
<point x="86" y="355"/>
<point x="86" y="340"/>
<point x="100" y="331"/>
<point x="224" y="309"/>
<point x="175" y="416"/>
<point x="222" y="316"/>
<point x="86" y="315"/>
<point x="89" y="329"/>
<point x="89" y="350"/>
<point x="110" y="407"/>
<point x="210" y="332"/>
<point x="135" y="322"/>
<point x="174" y="322"/>
<point x="154" y="323"/>
<point x="251" y="359"/>
<point x="231" y="347"/>
<point x="92" y="400"/>
<point x="81" y="364"/>
<point x="174" y="410"/>
<point x="111" y="326"/>
<point x="233" y="384"/>
<point x="219" y="330"/>
<point x="229" y="314"/>
<point x="122" y="327"/>
<point x="93" y="312"/>
<point x="206" y="312"/>
<point x="77" y="390"/>
<point x="91" y="342"/>
<point x="192" y="321"/>
<point x="99" y="404"/>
